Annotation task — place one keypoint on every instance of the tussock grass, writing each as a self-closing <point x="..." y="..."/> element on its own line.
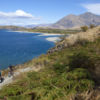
<point x="89" y="35"/>
<point x="65" y="73"/>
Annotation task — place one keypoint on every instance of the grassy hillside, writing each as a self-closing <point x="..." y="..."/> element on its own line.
<point x="12" y="27"/>
<point x="56" y="31"/>
<point x="71" y="73"/>
<point x="41" y="30"/>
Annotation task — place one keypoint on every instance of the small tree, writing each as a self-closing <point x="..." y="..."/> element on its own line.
<point x="92" y="25"/>
<point x="84" y="28"/>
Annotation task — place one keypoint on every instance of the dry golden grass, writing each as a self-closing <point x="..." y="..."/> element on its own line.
<point x="90" y="35"/>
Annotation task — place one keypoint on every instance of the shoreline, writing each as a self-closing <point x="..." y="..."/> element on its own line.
<point x="54" y="37"/>
<point x="51" y="39"/>
<point x="34" y="32"/>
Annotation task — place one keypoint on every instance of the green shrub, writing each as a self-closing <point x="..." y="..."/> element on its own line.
<point x="79" y="80"/>
<point x="84" y="28"/>
<point x="78" y="74"/>
<point x="92" y="25"/>
<point x="59" y="68"/>
<point x="81" y="60"/>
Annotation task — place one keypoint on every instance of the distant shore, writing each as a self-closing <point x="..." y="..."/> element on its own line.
<point x="37" y="32"/>
<point x="51" y="39"/>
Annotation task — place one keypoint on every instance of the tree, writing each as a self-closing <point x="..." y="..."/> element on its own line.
<point x="92" y="25"/>
<point x="84" y="28"/>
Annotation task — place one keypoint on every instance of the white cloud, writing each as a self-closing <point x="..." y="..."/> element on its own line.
<point x="93" y="8"/>
<point x="17" y="14"/>
<point x="19" y="17"/>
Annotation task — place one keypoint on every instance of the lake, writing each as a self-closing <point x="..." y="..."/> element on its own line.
<point x="20" y="47"/>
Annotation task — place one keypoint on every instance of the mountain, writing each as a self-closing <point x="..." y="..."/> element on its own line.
<point x="30" y="26"/>
<point x="75" y="21"/>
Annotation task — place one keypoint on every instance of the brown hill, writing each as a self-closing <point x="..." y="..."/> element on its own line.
<point x="75" y="21"/>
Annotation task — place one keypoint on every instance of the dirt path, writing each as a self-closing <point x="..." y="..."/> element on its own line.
<point x="8" y="80"/>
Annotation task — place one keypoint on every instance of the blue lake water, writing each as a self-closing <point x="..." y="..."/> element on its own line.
<point x="20" y="47"/>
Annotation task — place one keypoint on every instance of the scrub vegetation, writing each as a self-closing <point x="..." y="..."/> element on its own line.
<point x="63" y="75"/>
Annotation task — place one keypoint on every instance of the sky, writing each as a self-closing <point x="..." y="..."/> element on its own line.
<point x="28" y="12"/>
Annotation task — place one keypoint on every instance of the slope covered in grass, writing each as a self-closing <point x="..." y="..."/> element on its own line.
<point x="66" y="75"/>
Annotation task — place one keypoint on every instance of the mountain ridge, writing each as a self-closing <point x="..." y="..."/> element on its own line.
<point x="76" y="21"/>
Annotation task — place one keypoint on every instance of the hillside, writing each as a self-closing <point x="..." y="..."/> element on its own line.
<point x="75" y="21"/>
<point x="40" y="30"/>
<point x="12" y="27"/>
<point x="70" y="71"/>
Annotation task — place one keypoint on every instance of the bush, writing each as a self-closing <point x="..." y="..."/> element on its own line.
<point x="79" y="80"/>
<point x="84" y="28"/>
<point x="92" y="25"/>
<point x="78" y="74"/>
<point x="59" y="68"/>
<point x="81" y="42"/>
<point x="81" y="60"/>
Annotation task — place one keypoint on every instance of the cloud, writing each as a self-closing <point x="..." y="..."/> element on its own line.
<point x="17" y="14"/>
<point x="93" y="8"/>
<point x="19" y="17"/>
